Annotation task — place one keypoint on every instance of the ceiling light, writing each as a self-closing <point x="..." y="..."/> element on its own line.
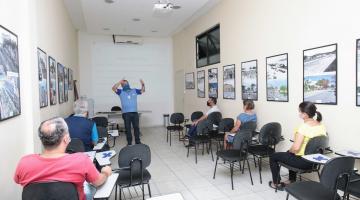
<point x="136" y="19"/>
<point x="109" y="1"/>
<point x="154" y="31"/>
<point x="106" y="29"/>
<point x="164" y="9"/>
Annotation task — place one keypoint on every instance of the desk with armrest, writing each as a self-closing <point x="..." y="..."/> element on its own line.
<point x="105" y="190"/>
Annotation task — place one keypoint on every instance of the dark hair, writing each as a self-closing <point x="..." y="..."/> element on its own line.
<point x="213" y="99"/>
<point x="249" y="104"/>
<point x="52" y="131"/>
<point x="310" y="109"/>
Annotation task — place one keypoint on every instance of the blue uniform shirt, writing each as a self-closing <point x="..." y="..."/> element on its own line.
<point x="128" y="99"/>
<point x="245" y="117"/>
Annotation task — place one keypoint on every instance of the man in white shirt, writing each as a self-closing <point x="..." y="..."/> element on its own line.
<point x="211" y="102"/>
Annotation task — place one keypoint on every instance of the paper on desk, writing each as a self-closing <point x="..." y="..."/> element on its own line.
<point x="103" y="158"/>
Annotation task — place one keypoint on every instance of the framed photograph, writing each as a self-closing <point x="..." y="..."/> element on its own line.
<point x="249" y="80"/>
<point x="61" y="82"/>
<point x="71" y="79"/>
<point x="9" y="75"/>
<point x="66" y="84"/>
<point x="42" y="70"/>
<point x="358" y="72"/>
<point x="201" y="83"/>
<point x="320" y="75"/>
<point x="277" y="78"/>
<point x="213" y="82"/>
<point x="52" y="81"/>
<point x="229" y="82"/>
<point x="189" y="80"/>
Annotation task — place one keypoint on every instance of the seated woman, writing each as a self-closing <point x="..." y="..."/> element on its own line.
<point x="247" y="116"/>
<point x="308" y="129"/>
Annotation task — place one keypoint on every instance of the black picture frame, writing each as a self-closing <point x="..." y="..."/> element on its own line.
<point x="66" y="84"/>
<point x="357" y="86"/>
<point x="61" y="79"/>
<point x="52" y="81"/>
<point x="277" y="67"/>
<point x="231" y="79"/>
<point x="10" y="72"/>
<point x="249" y="96"/>
<point x="213" y="82"/>
<point x="202" y="79"/>
<point x="190" y="84"/>
<point x="42" y="78"/>
<point x="324" y="91"/>
<point x="71" y="79"/>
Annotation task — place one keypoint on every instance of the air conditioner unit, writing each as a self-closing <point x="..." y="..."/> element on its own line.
<point x="127" y="39"/>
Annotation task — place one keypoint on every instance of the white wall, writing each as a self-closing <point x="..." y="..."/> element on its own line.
<point x="102" y="64"/>
<point x="44" y="24"/>
<point x="255" y="29"/>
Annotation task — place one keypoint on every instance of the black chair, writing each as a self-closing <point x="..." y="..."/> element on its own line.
<point x="50" y="191"/>
<point x="133" y="161"/>
<point x="315" y="145"/>
<point x="353" y="186"/>
<point x="225" y="125"/>
<point x="76" y="145"/>
<point x="334" y="171"/>
<point x="194" y="116"/>
<point x="115" y="108"/>
<point x="101" y="121"/>
<point x="237" y="154"/>
<point x="102" y="131"/>
<point x="269" y="137"/>
<point x="176" y="119"/>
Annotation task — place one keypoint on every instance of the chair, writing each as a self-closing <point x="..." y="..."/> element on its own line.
<point x="50" y="191"/>
<point x="236" y="154"/>
<point x="315" y="145"/>
<point x="336" y="169"/>
<point x="225" y="125"/>
<point x="194" y="116"/>
<point x="353" y="187"/>
<point x="76" y="145"/>
<point x="203" y="131"/>
<point x="133" y="161"/>
<point x="176" y="119"/>
<point x="101" y="121"/>
<point x="269" y="137"/>
<point x="115" y="108"/>
<point x="102" y="131"/>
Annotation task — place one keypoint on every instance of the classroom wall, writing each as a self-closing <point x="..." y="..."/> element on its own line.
<point x="102" y="64"/>
<point x="44" y="24"/>
<point x="256" y="29"/>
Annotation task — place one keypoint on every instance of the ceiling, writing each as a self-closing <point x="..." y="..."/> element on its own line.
<point x="95" y="16"/>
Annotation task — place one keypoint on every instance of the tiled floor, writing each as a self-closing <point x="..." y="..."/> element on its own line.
<point x="173" y="172"/>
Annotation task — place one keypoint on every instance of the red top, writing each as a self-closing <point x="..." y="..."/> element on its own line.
<point x="74" y="168"/>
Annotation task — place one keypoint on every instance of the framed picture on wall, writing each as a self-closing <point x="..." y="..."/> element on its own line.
<point x="320" y="74"/>
<point x="358" y="72"/>
<point x="277" y="78"/>
<point x="42" y="70"/>
<point x="61" y="82"/>
<point x="189" y="80"/>
<point x="66" y="84"/>
<point x="229" y="82"/>
<point x="52" y="81"/>
<point x="249" y="80"/>
<point x="201" y="83"/>
<point x="9" y="75"/>
<point x="213" y="82"/>
<point x="71" y="79"/>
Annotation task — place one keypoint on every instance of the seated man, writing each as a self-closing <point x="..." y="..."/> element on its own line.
<point x="53" y="164"/>
<point x="81" y="127"/>
<point x="211" y="102"/>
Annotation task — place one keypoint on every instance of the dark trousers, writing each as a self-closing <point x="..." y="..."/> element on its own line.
<point x="132" y="118"/>
<point x="289" y="159"/>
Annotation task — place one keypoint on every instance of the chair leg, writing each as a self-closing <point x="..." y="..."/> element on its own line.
<point x="217" y="159"/>
<point x="142" y="189"/>
<point x="188" y="149"/>
<point x="254" y="161"/>
<point x="116" y="191"/>
<point x="149" y="189"/>
<point x="203" y="147"/>
<point x="120" y="193"/>
<point x="278" y="177"/>
<point x="260" y="165"/>
<point x="167" y="135"/>
<point x="287" y="196"/>
<point x="231" y="174"/>
<point x="195" y="153"/>
<point x="170" y="137"/>
<point x="243" y="167"/>
<point x="212" y="156"/>
<point x="252" y="183"/>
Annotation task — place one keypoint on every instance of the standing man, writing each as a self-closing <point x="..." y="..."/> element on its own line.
<point x="128" y="98"/>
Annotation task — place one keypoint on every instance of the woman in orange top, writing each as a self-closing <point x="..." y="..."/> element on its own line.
<point x="308" y="129"/>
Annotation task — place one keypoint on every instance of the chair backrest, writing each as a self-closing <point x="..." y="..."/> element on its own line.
<point x="270" y="133"/>
<point x="335" y="168"/>
<point x="131" y="152"/>
<point x="251" y="126"/>
<point x="100" y="121"/>
<point x="226" y="125"/>
<point x="196" y="115"/>
<point x="177" y="118"/>
<point x="241" y="139"/>
<point x="115" y="108"/>
<point x="102" y="131"/>
<point x="214" y="118"/>
<point x="317" y="145"/>
<point x="50" y="190"/>
<point x="76" y="145"/>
